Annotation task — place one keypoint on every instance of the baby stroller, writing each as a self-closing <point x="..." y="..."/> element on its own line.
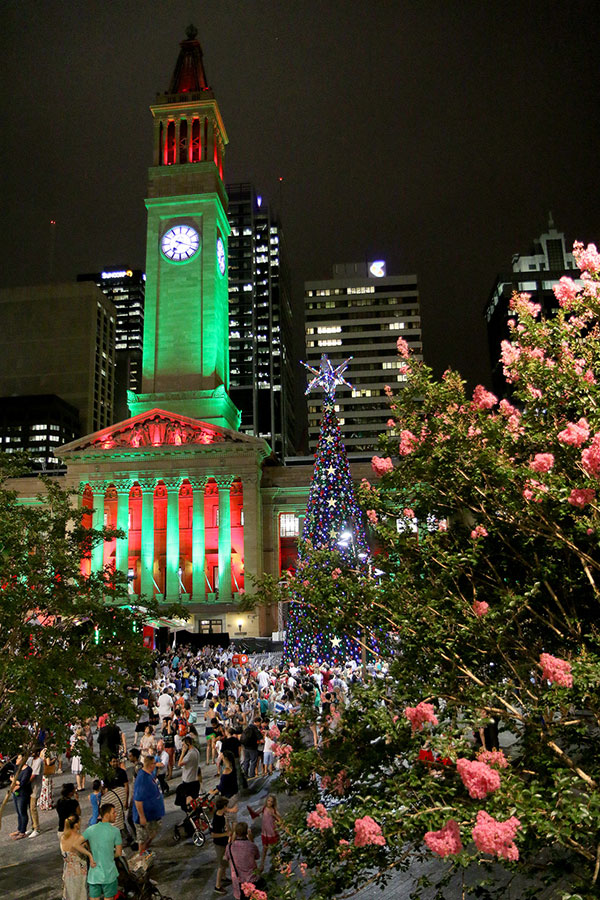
<point x="196" y="822"/>
<point x="136" y="884"/>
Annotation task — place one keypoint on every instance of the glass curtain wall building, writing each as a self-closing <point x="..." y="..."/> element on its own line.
<point x="361" y="312"/>
<point x="261" y="376"/>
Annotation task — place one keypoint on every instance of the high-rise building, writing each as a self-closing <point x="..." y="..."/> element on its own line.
<point x="534" y="274"/>
<point x="59" y="340"/>
<point x="260" y="318"/>
<point x="361" y="312"/>
<point x="126" y="288"/>
<point x="37" y="424"/>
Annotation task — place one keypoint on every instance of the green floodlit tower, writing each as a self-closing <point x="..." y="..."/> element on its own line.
<point x="185" y="367"/>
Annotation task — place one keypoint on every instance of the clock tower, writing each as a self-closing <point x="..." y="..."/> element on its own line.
<point x="186" y="324"/>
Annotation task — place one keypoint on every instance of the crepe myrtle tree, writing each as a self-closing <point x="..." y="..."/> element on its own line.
<point x="480" y="747"/>
<point x="70" y="644"/>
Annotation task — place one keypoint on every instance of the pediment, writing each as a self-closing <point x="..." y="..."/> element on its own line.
<point x="153" y="429"/>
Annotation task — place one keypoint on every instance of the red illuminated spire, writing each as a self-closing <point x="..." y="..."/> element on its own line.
<point x="189" y="75"/>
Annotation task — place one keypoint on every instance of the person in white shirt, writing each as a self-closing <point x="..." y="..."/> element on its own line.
<point x="263" y="679"/>
<point x="165" y="705"/>
<point x="37" y="770"/>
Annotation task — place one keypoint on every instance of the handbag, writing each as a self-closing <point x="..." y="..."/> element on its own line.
<point x="50" y="766"/>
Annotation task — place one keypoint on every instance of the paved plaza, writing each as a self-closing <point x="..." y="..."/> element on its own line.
<point x="32" y="869"/>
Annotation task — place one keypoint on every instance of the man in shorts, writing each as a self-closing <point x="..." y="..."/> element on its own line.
<point x="105" y="844"/>
<point x="149" y="806"/>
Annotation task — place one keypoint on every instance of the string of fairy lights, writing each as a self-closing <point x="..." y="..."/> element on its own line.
<point x="333" y="520"/>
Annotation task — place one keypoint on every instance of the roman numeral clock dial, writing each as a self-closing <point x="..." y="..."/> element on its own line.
<point x="180" y="243"/>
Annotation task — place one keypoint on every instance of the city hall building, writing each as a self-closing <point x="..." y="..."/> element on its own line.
<point x="203" y="505"/>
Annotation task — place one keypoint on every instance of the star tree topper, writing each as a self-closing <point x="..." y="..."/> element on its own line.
<point x="327" y="377"/>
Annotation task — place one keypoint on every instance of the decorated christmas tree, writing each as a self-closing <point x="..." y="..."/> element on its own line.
<point x="333" y="521"/>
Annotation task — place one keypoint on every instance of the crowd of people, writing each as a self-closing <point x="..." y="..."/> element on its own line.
<point x="236" y="706"/>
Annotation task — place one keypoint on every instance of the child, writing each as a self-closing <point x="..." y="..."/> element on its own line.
<point x="268" y="755"/>
<point x="98" y="790"/>
<point x="220" y="836"/>
<point x="269" y="834"/>
<point x="148" y="741"/>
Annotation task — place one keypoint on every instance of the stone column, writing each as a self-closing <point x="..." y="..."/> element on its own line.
<point x="253" y="564"/>
<point x="123" y="489"/>
<point x="147" y="488"/>
<point x="198" y="541"/>
<point x="172" y="587"/>
<point x="98" y="490"/>
<point x="210" y="140"/>
<point x="177" y="137"/>
<point x="224" y="484"/>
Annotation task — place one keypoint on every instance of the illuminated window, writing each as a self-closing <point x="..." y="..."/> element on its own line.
<point x="329" y="329"/>
<point x="289" y="525"/>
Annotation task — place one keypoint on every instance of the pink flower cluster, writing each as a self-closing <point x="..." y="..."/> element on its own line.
<point x="542" y="462"/>
<point x="367" y="832"/>
<point x="483" y="399"/>
<point x="565" y="292"/>
<point x="252" y="892"/>
<point x="556" y="670"/>
<point x="372" y="516"/>
<point x="408" y="442"/>
<point x="318" y="818"/>
<point x="283" y="752"/>
<point x="403" y="348"/>
<point x="419" y="714"/>
<point x="408" y="512"/>
<point x="336" y="574"/>
<point x="494" y="758"/>
<point x="480" y="608"/>
<point x="479" y="531"/>
<point x="274" y="733"/>
<point x="507" y="409"/>
<point x="497" y="838"/>
<point x="590" y="458"/>
<point x="533" y="490"/>
<point x="509" y="353"/>
<point x="446" y="841"/>
<point x="381" y="464"/>
<point x="478" y="778"/>
<point x="575" y="433"/>
<point x="587" y="259"/>
<point x="344" y="848"/>
<point x="340" y="783"/>
<point x="303" y="867"/>
<point x="580" y="497"/>
<point x="523" y="305"/>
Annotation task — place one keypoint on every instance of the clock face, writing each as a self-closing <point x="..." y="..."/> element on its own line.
<point x="180" y="243"/>
<point x="221" y="255"/>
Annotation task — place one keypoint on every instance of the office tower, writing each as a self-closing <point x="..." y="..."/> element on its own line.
<point x="361" y="312"/>
<point x="260" y="321"/>
<point x="533" y="274"/>
<point x="60" y="340"/>
<point x="37" y="424"/>
<point x="126" y="288"/>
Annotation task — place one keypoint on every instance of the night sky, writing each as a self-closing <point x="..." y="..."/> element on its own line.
<point x="435" y="135"/>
